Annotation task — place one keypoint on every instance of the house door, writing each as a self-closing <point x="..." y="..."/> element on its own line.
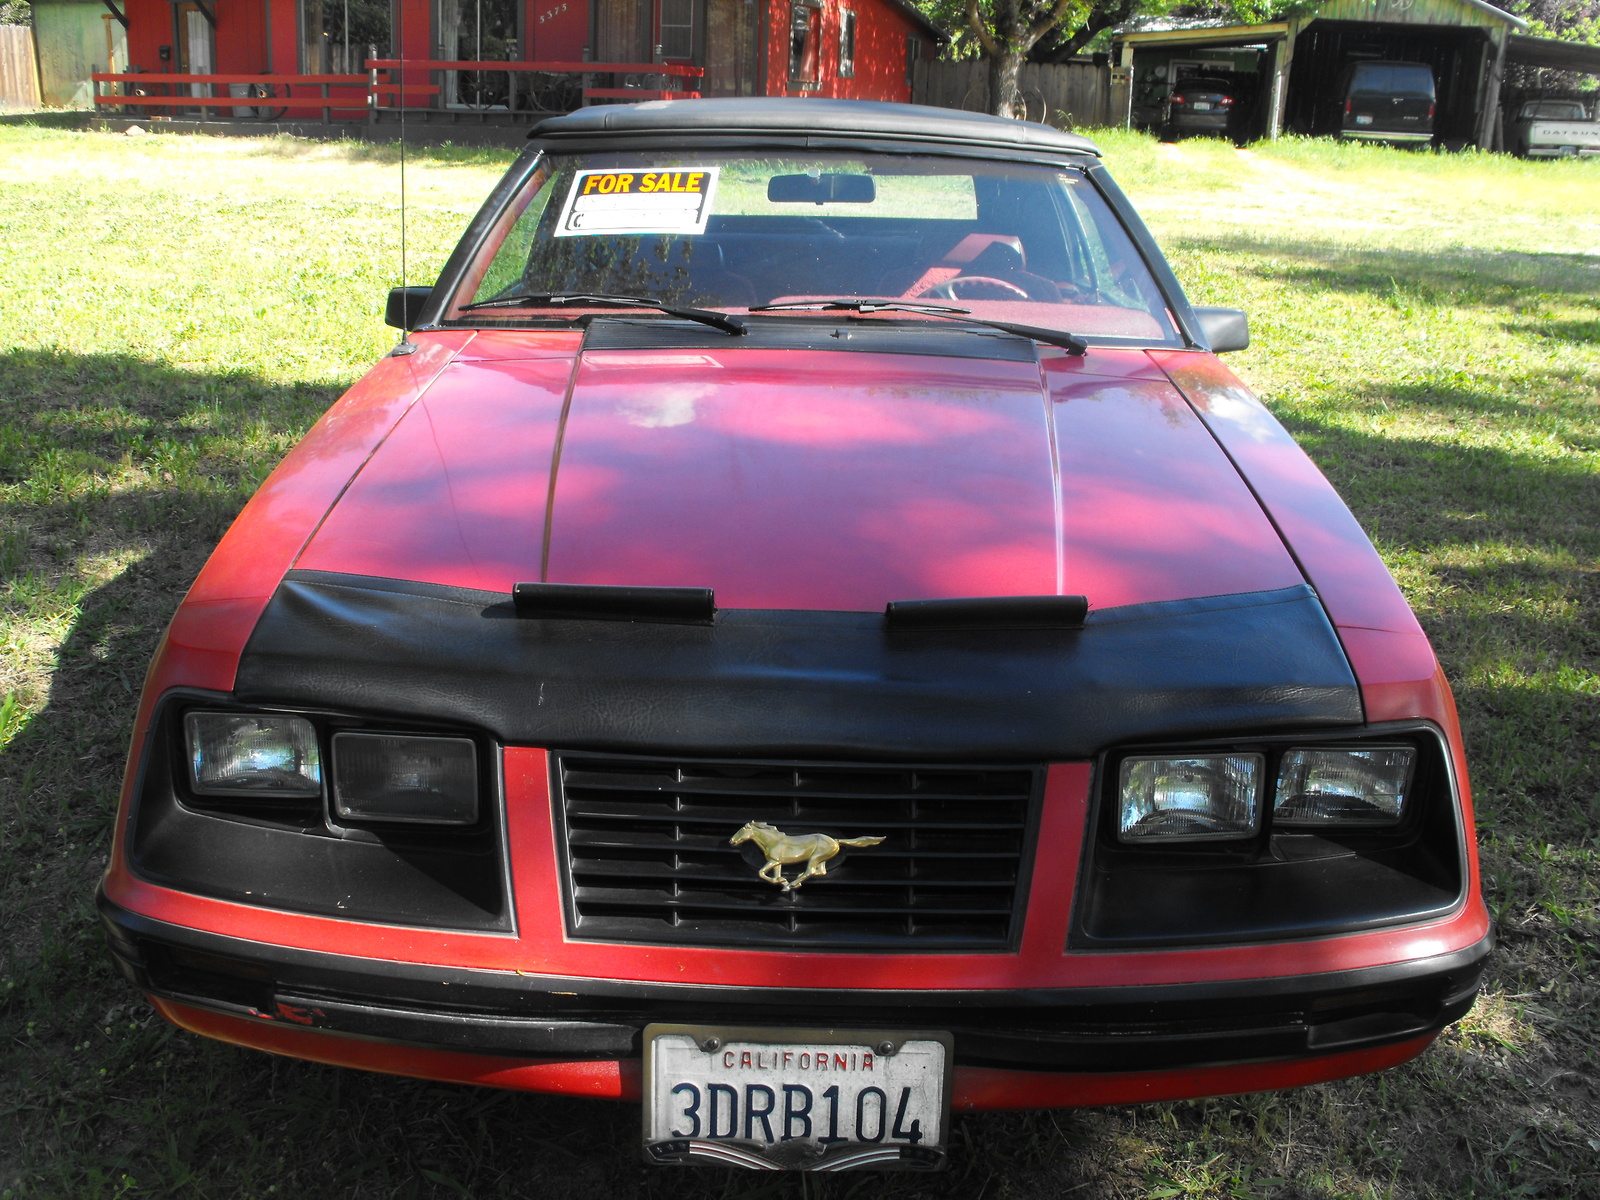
<point x="622" y="31"/>
<point x="194" y="46"/>
<point x="731" y="27"/>
<point x="481" y="31"/>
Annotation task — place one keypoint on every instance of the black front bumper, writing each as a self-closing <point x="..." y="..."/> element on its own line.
<point x="507" y="1013"/>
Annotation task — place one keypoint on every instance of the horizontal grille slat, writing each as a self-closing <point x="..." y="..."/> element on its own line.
<point x="619" y="841"/>
<point x="701" y="820"/>
<point x="648" y="856"/>
<point x="831" y="912"/>
<point x="624" y="869"/>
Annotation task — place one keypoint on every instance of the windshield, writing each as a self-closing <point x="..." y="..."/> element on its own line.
<point x="1011" y="242"/>
<point x="1393" y="79"/>
<point x="1552" y="110"/>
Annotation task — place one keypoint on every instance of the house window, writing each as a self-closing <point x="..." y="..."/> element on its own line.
<point x="677" y="28"/>
<point x="336" y="35"/>
<point x="847" y="43"/>
<point x="805" y="34"/>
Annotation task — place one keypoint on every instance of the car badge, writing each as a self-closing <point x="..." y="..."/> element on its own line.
<point x="813" y="849"/>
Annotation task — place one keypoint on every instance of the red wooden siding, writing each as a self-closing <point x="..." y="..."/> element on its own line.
<point x="880" y="55"/>
<point x="557" y="30"/>
<point x="262" y="36"/>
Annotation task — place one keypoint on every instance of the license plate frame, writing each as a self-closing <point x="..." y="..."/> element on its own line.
<point x="912" y="1105"/>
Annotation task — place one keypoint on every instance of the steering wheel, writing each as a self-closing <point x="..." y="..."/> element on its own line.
<point x="948" y="290"/>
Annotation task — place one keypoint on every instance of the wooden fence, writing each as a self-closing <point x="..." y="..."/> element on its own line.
<point x="19" y="80"/>
<point x="1067" y="95"/>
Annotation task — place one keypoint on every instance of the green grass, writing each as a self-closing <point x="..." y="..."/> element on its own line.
<point x="176" y="311"/>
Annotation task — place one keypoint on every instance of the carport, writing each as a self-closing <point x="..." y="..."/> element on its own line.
<point x="1250" y="56"/>
<point x="1296" y="62"/>
<point x="1553" y="55"/>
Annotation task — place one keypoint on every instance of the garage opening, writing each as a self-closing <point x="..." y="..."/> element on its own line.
<point x="1460" y="58"/>
<point x="1247" y="67"/>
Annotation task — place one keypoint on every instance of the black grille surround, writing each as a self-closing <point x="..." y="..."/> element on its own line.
<point x="648" y="858"/>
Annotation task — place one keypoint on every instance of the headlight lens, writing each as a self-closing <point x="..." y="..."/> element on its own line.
<point x="1199" y="798"/>
<point x="257" y="754"/>
<point x="1350" y="788"/>
<point x="388" y="777"/>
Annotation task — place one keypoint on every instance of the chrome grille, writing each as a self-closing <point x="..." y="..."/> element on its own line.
<point x="648" y="857"/>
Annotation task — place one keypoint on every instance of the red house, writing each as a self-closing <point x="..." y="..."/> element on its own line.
<point x="859" y="49"/>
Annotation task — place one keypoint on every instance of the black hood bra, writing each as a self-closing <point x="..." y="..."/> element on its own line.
<point x="814" y="684"/>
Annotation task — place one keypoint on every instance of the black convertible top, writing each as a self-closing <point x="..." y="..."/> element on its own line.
<point x="786" y="120"/>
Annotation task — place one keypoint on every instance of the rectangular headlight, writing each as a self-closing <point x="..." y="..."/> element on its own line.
<point x="408" y="779"/>
<point x="1343" y="788"/>
<point x="264" y="755"/>
<point x="1197" y="798"/>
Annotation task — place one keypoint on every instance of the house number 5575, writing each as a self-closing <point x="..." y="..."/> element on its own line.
<point x="551" y="14"/>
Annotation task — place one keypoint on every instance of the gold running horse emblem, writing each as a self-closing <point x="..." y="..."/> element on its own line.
<point x="814" y="849"/>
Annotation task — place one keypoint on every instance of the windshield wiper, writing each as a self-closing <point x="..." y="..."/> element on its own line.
<point x="845" y="304"/>
<point x="1071" y="343"/>
<point x="706" y="316"/>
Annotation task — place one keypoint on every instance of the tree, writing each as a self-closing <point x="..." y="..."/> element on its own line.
<point x="16" y="12"/>
<point x="1062" y="42"/>
<point x="1010" y="32"/>
<point x="1006" y="30"/>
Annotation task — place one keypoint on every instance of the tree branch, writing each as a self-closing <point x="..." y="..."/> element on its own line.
<point x="1102" y="16"/>
<point x="980" y="30"/>
<point x="1049" y="21"/>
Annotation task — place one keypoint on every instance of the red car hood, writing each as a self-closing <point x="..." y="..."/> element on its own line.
<point x="812" y="480"/>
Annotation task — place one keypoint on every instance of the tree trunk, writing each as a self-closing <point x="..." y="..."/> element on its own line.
<point x="1005" y="90"/>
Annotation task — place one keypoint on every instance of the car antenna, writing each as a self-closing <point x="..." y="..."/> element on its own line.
<point x="406" y="346"/>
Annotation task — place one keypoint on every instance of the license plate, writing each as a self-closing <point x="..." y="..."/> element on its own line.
<point x="796" y="1099"/>
<point x="1201" y="106"/>
<point x="1363" y="120"/>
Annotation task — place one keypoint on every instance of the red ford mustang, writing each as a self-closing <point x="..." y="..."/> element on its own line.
<point x="802" y="633"/>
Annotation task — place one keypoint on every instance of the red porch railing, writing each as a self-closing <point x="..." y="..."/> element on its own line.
<point x="529" y="87"/>
<point x="269" y="96"/>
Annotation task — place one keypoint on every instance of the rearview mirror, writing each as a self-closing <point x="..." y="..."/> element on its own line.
<point x="822" y="189"/>
<point x="1225" y="328"/>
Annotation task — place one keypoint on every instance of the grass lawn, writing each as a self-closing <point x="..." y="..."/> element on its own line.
<point x="176" y="311"/>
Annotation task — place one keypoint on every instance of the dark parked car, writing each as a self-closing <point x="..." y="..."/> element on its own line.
<point x="805" y="636"/>
<point x="1391" y="102"/>
<point x="1203" y="104"/>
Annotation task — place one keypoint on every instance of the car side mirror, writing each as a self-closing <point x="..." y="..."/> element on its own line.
<point x="405" y="306"/>
<point x="1225" y="328"/>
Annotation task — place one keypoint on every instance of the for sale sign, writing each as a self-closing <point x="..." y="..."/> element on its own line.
<point x="675" y="201"/>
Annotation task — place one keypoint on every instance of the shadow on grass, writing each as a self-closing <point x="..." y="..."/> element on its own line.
<point x="107" y="1099"/>
<point x="1467" y="275"/>
<point x="48" y="119"/>
<point x="1426" y="495"/>
<point x="1582" y="333"/>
